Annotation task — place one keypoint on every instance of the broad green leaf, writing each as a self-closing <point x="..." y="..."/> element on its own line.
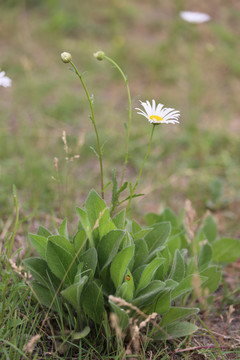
<point x="61" y="262"/>
<point x="123" y="318"/>
<point x="166" y="215"/>
<point x="158" y="236"/>
<point x="44" y="295"/>
<point x="214" y="277"/>
<point x="41" y="272"/>
<point x="175" y="331"/>
<point x="148" y="273"/>
<point x="178" y="268"/>
<point x="83" y="218"/>
<point x="125" y="292"/>
<point x="89" y="260"/>
<point x="142" y="233"/>
<point x="120" y="263"/>
<point x="93" y="303"/>
<point x="80" y="240"/>
<point x="170" y="284"/>
<point x="62" y="242"/>
<point x="210" y="228"/>
<point x="42" y="231"/>
<point x="141" y="252"/>
<point x="73" y="292"/>
<point x="63" y="231"/>
<point x="173" y="244"/>
<point x="176" y="313"/>
<point x="183" y="287"/>
<point x="135" y="227"/>
<point x="226" y="250"/>
<point x="162" y="305"/>
<point x="108" y="247"/>
<point x="149" y="293"/>
<point x="119" y="220"/>
<point x="152" y="218"/>
<point x="205" y="256"/>
<point x="98" y="215"/>
<point x="40" y="244"/>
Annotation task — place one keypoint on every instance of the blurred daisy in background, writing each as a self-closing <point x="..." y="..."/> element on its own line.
<point x="5" y="81"/>
<point x="195" y="17"/>
<point x="158" y="114"/>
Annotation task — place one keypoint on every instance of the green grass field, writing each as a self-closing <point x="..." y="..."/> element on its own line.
<point x="192" y="68"/>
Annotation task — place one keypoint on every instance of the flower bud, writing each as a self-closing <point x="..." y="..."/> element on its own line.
<point x="99" y="55"/>
<point x="66" y="57"/>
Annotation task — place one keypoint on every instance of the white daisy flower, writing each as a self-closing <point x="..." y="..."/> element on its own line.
<point x="5" y="81"/>
<point x="195" y="17"/>
<point x="158" y="114"/>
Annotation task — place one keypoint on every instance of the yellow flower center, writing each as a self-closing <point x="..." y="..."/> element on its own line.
<point x="155" y="117"/>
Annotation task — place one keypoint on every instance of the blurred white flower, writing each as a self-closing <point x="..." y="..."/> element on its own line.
<point x="158" y="114"/>
<point x="195" y="17"/>
<point x="4" y="80"/>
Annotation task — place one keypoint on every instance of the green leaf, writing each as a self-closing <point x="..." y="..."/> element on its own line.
<point x="123" y="318"/>
<point x="120" y="263"/>
<point x="135" y="227"/>
<point x="61" y="262"/>
<point x="175" y="331"/>
<point x="214" y="277"/>
<point x="142" y="233"/>
<point x="148" y="273"/>
<point x="176" y="313"/>
<point x="82" y="334"/>
<point x="178" y="268"/>
<point x="125" y="292"/>
<point x="183" y="287"/>
<point x="108" y="247"/>
<point x="42" y="231"/>
<point x="41" y="272"/>
<point x="44" y="295"/>
<point x="114" y="187"/>
<point x="210" y="228"/>
<point x="93" y="303"/>
<point x="98" y="215"/>
<point x="158" y="236"/>
<point x="205" y="256"/>
<point x="80" y="240"/>
<point x="162" y="305"/>
<point x="63" y="231"/>
<point x="149" y="293"/>
<point x="163" y="269"/>
<point x="73" y="292"/>
<point x="62" y="242"/>
<point x="119" y="220"/>
<point x="89" y="260"/>
<point x="40" y="244"/>
<point x="85" y="223"/>
<point x="141" y="253"/>
<point x="226" y="250"/>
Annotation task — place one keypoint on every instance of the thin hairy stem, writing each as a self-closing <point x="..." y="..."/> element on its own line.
<point x="129" y="116"/>
<point x="92" y="117"/>
<point x="140" y="172"/>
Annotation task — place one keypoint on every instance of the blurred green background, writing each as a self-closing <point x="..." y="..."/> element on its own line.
<point x="192" y="68"/>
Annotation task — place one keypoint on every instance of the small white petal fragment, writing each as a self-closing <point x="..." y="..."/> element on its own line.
<point x="158" y="114"/>
<point x="195" y="17"/>
<point x="5" y="81"/>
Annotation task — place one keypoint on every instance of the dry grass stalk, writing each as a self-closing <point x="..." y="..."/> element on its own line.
<point x="115" y="325"/>
<point x="29" y="347"/>
<point x="189" y="220"/>
<point x="64" y="139"/>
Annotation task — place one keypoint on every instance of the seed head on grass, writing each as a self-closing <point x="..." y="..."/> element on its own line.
<point x="99" y="55"/>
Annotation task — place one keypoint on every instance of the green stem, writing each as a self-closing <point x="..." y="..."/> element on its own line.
<point x="129" y="115"/>
<point x="140" y="172"/>
<point x="94" y="125"/>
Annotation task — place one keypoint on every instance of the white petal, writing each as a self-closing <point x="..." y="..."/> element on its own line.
<point x="195" y="17"/>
